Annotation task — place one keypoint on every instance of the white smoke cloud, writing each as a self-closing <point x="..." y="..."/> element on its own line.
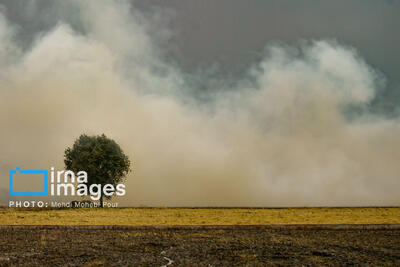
<point x="280" y="137"/>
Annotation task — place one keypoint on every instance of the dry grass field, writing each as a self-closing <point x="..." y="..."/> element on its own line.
<point x="198" y="246"/>
<point x="199" y="216"/>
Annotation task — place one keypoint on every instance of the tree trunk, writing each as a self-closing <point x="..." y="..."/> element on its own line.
<point x="101" y="201"/>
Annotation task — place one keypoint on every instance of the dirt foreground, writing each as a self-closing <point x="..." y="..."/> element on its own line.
<point x="198" y="246"/>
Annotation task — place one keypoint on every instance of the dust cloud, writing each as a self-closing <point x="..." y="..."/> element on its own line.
<point x="294" y="130"/>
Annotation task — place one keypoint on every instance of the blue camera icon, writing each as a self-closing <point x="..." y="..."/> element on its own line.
<point x="45" y="191"/>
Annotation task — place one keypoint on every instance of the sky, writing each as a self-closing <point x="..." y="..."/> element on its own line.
<point x="216" y="103"/>
<point x="231" y="34"/>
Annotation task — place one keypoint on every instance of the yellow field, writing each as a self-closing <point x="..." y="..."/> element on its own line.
<point x="206" y="216"/>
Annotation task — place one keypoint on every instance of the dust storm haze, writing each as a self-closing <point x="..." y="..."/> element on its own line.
<point x="294" y="129"/>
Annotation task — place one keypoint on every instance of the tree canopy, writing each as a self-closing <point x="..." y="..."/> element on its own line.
<point x="101" y="157"/>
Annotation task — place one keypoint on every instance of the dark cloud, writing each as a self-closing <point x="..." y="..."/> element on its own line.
<point x="233" y="33"/>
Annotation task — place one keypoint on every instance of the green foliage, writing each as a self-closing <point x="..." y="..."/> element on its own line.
<point x="102" y="158"/>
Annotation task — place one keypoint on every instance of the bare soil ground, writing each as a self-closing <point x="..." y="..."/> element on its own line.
<point x="199" y="247"/>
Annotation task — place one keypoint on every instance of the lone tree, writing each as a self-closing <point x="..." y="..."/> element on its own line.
<point x="102" y="159"/>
